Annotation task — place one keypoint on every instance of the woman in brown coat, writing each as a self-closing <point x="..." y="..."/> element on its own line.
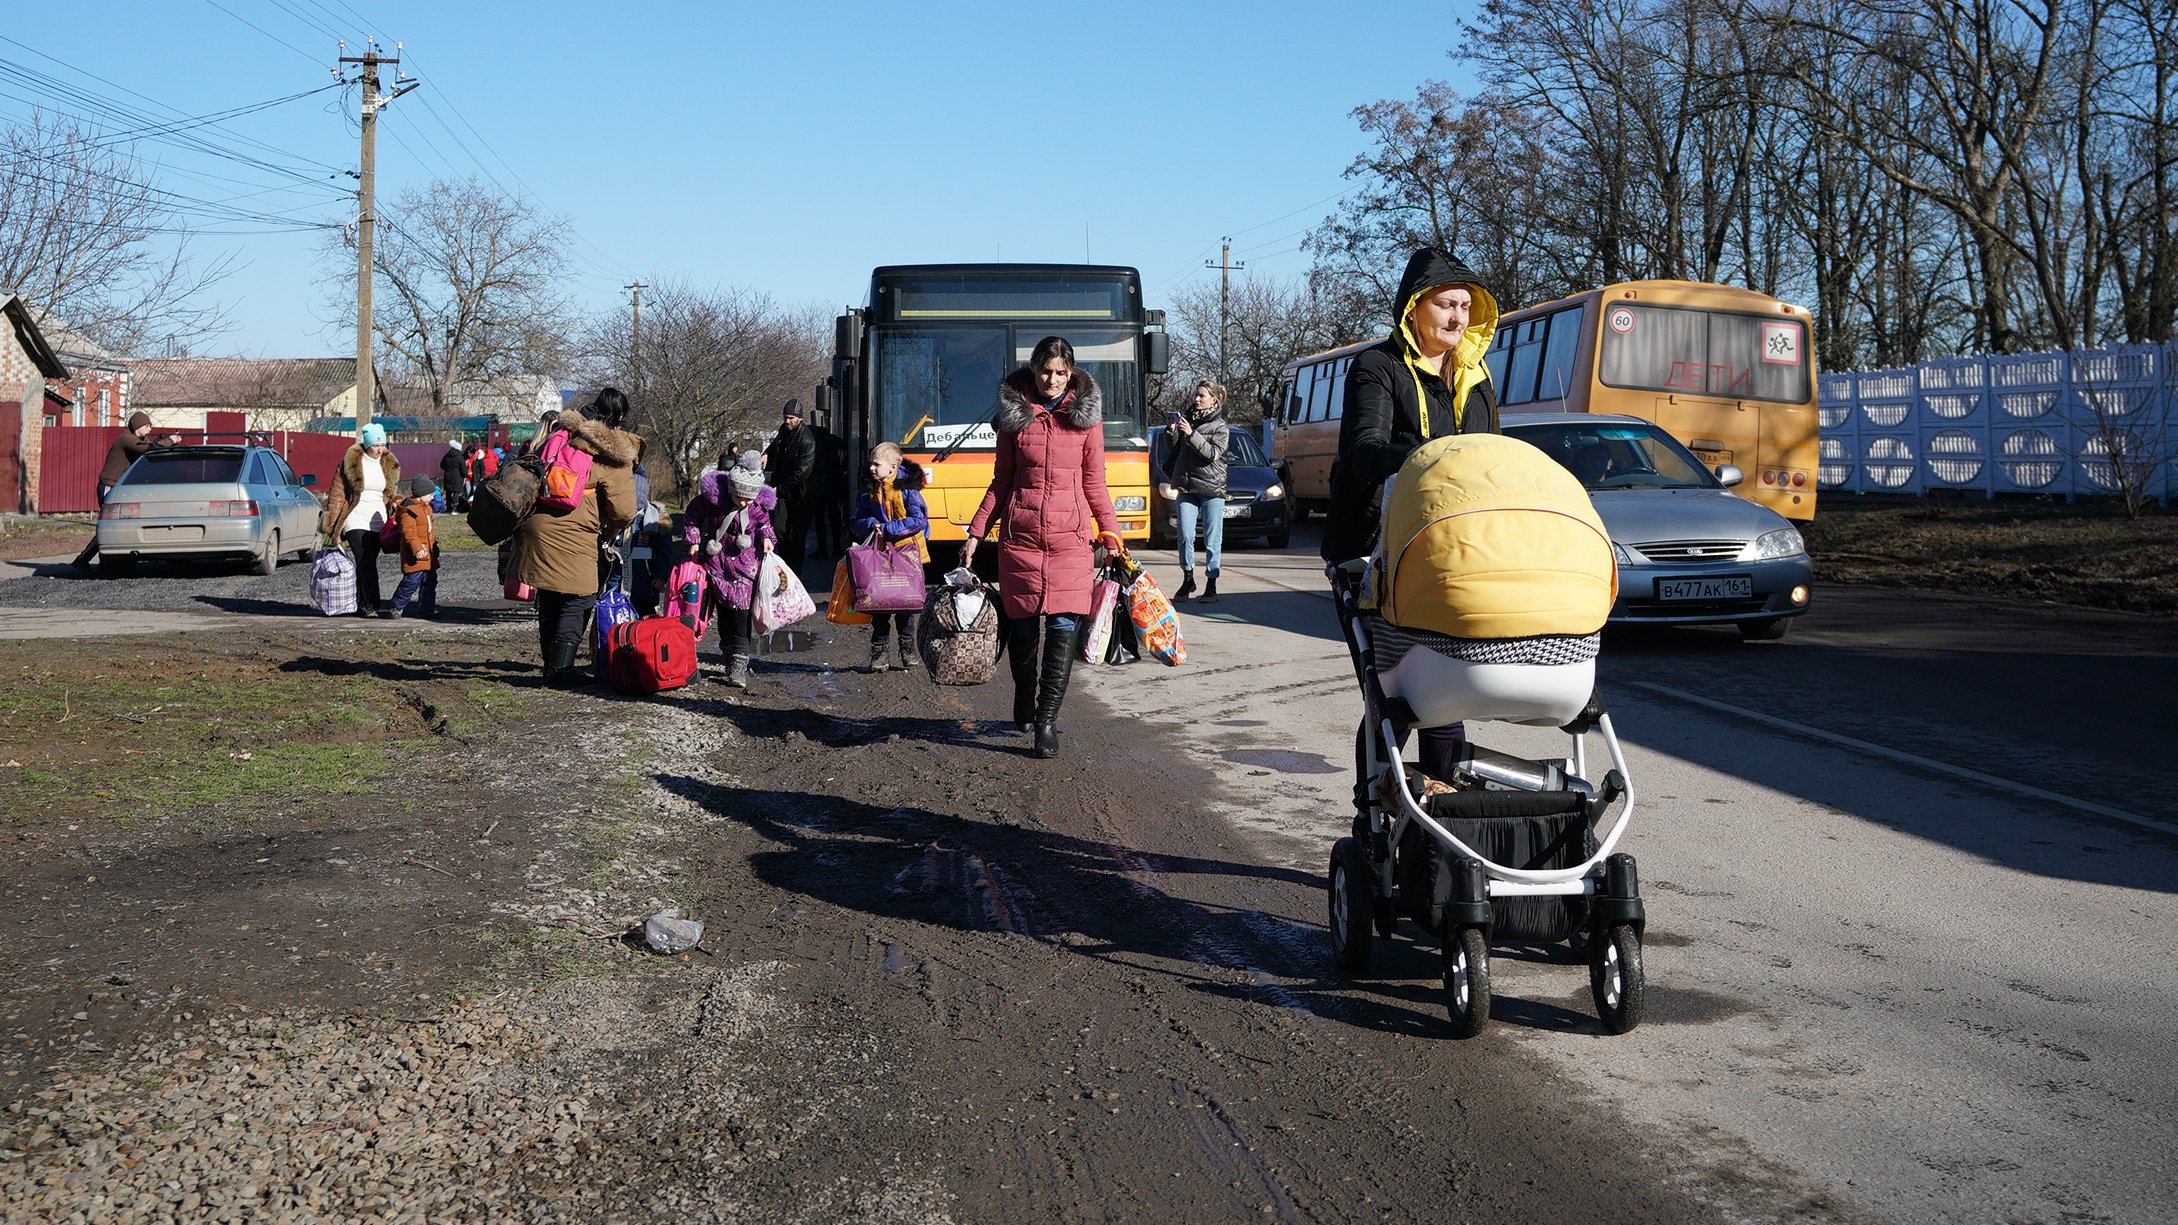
<point x="556" y="551"/>
<point x="1047" y="486"/>
<point x="358" y="504"/>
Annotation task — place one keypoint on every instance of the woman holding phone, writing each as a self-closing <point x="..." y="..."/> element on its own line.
<point x="1191" y="465"/>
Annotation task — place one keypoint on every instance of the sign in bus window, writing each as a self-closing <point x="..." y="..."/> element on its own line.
<point x="1703" y="353"/>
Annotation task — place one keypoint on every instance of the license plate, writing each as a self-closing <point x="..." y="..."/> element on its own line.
<point x="1233" y="511"/>
<point x="1722" y="587"/>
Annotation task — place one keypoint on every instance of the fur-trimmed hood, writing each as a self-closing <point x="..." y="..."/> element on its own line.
<point x="351" y="467"/>
<point x="1017" y="403"/>
<point x="617" y="448"/>
<point x="910" y="476"/>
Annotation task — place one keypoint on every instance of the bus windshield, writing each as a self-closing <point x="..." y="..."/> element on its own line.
<point x="937" y="387"/>
<point x="1704" y="352"/>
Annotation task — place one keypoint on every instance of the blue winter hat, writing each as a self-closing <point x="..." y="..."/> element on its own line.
<point x="372" y="435"/>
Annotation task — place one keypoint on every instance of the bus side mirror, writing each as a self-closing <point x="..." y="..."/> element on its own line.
<point x="1730" y="474"/>
<point x="1160" y="351"/>
<point x="846" y="337"/>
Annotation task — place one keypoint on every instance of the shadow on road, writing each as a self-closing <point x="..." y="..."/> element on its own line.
<point x="1093" y="898"/>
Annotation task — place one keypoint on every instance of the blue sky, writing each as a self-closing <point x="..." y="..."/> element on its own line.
<point x="783" y="147"/>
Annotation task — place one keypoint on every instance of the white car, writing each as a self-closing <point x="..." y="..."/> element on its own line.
<point x="208" y="502"/>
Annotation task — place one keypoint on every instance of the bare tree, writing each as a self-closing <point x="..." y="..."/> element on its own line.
<point x="83" y="239"/>
<point x="1267" y="323"/>
<point x="713" y="367"/>
<point x="468" y="288"/>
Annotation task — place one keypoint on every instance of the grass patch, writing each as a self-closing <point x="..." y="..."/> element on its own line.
<point x="454" y="535"/>
<point x="21" y="538"/>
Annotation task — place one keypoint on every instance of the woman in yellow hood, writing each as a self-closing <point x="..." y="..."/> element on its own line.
<point x="1428" y="380"/>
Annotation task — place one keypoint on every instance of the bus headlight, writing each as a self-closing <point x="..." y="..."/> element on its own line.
<point x="1130" y="503"/>
<point x="1769" y="546"/>
<point x="1274" y="493"/>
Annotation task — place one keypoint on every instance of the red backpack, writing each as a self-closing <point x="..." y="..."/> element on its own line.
<point x="567" y="473"/>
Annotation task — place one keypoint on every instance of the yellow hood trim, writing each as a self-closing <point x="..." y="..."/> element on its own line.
<point x="1468" y="367"/>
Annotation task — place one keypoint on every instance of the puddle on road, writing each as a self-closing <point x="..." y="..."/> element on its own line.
<point x="1285" y="761"/>
<point x="789" y="641"/>
<point x="1688" y="1006"/>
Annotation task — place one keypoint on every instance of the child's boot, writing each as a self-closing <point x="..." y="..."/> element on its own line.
<point x="737" y="671"/>
<point x="877" y="655"/>
<point x="900" y="642"/>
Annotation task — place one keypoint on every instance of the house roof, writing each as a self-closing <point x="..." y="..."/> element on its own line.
<point x="240" y="382"/>
<point x="27" y="333"/>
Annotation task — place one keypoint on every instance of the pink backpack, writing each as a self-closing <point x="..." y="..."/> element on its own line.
<point x="567" y="473"/>
<point x="684" y="593"/>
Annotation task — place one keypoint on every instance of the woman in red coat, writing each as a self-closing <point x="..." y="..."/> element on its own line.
<point x="1046" y="486"/>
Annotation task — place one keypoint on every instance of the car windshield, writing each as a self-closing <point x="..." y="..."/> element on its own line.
<point x="185" y="468"/>
<point x="1244" y="452"/>
<point x="1610" y="455"/>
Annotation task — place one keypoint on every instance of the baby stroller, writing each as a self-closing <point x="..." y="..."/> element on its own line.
<point x="1512" y="853"/>
<point x="1483" y="605"/>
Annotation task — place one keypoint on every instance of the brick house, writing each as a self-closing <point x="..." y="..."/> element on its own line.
<point x="27" y="361"/>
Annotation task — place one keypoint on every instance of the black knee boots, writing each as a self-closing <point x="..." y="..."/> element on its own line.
<point x="1059" y="648"/>
<point x="1023" y="661"/>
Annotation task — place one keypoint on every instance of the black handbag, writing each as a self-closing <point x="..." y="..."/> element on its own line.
<point x="504" y="499"/>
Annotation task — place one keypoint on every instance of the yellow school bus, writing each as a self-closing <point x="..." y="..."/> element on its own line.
<point x="920" y="364"/>
<point x="1727" y="371"/>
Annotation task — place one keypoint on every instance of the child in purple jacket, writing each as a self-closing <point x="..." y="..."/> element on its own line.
<point x="728" y="529"/>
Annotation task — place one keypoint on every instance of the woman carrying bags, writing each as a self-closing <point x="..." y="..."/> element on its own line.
<point x="1046" y="486"/>
<point x="891" y="508"/>
<point x="556" y="551"/>
<point x="357" y="506"/>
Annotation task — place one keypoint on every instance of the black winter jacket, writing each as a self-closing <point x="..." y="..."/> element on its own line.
<point x="1195" y="463"/>
<point x="1381" y="422"/>
<point x="792" y="459"/>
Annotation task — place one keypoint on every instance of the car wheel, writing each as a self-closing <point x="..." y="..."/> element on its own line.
<point x="268" y="560"/>
<point x="116" y="565"/>
<point x="1768" y="629"/>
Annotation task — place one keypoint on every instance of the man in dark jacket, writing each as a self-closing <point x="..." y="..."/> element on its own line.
<point x="454" y="477"/>
<point x="1192" y="463"/>
<point x="790" y="461"/>
<point x="1428" y="380"/>
<point x="828" y="490"/>
<point x="127" y="446"/>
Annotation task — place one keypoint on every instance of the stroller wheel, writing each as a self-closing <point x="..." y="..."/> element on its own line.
<point x="1614" y="976"/>
<point x="1467" y="981"/>
<point x="1351" y="906"/>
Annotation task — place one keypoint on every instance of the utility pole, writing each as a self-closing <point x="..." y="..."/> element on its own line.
<point x="635" y="338"/>
<point x="366" y="376"/>
<point x="1225" y="267"/>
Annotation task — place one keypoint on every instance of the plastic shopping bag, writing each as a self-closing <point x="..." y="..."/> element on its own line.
<point x="1157" y="626"/>
<point x="781" y="600"/>
<point x="1096" y="636"/>
<point x="840" y="609"/>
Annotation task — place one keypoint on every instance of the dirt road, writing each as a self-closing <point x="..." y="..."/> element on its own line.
<point x="941" y="981"/>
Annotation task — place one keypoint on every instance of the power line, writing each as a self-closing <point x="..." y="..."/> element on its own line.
<point x="306" y="19"/>
<point x="267" y="33"/>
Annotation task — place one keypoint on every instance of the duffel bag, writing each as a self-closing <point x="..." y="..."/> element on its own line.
<point x="504" y="499"/>
<point x="957" y="635"/>
<point x="651" y="654"/>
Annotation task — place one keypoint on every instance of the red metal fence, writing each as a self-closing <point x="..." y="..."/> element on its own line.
<point x="72" y="456"/>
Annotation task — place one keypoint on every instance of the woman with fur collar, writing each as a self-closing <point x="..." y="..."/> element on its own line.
<point x="728" y="527"/>
<point x="357" y="505"/>
<point x="1047" y="491"/>
<point x="556" y="551"/>
<point x="891" y="507"/>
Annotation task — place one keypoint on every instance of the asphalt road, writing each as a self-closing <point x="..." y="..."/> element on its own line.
<point x="1910" y="875"/>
